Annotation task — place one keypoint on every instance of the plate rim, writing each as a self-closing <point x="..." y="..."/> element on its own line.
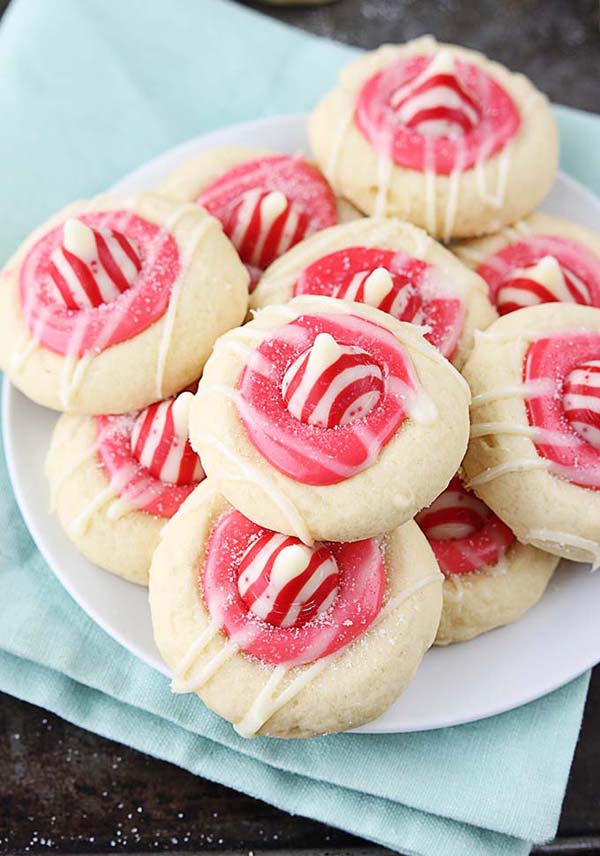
<point x="182" y="150"/>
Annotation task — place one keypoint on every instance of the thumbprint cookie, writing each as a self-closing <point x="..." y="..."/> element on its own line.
<point x="438" y="135"/>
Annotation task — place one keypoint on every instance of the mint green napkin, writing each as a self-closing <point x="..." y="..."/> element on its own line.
<point x="90" y="90"/>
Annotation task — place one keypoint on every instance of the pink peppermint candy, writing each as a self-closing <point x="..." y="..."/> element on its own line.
<point x="462" y="531"/>
<point x="331" y="384"/>
<point x="160" y="441"/>
<point x="92" y="266"/>
<point x="286" y="583"/>
<point x="390" y="280"/>
<point x="567" y="413"/>
<point x="581" y="401"/>
<point x="269" y="204"/>
<point x="436" y="113"/>
<point x="347" y="581"/>
<point x="542" y="269"/>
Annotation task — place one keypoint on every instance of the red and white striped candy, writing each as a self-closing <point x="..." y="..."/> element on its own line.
<point x="160" y="441"/>
<point x="581" y="401"/>
<point x="332" y="384"/>
<point x="286" y="583"/>
<point x="92" y="266"/>
<point x="547" y="281"/>
<point x="435" y="103"/>
<point x="378" y="288"/>
<point x="264" y="224"/>
<point x="454" y="515"/>
<point x="462" y="531"/>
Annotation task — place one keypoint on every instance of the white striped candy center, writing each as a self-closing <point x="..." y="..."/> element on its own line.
<point x="581" y="401"/>
<point x="543" y="282"/>
<point x="436" y="109"/>
<point x="332" y="384"/>
<point x="160" y="441"/>
<point x="275" y="562"/>
<point x="82" y="275"/>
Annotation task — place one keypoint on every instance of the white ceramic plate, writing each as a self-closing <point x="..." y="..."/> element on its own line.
<point x="556" y="641"/>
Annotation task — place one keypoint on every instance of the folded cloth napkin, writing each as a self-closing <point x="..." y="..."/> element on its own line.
<point x="89" y="91"/>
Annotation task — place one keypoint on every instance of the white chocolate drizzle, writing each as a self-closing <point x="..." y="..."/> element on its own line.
<point x="169" y="317"/>
<point x="517" y="465"/>
<point x="248" y="474"/>
<point x="537" y="434"/>
<point x="267" y="704"/>
<point x="338" y="142"/>
<point x="528" y="389"/>
<point x="568" y="539"/>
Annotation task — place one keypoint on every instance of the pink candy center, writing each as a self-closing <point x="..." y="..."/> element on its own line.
<point x="566" y="410"/>
<point x="462" y="531"/>
<point x="94" y="282"/>
<point x="436" y="113"/>
<point x="267" y="205"/>
<point x="581" y="401"/>
<point x="330" y="384"/>
<point x="286" y="583"/>
<point x="315" y="424"/>
<point x="542" y="269"/>
<point x="160" y="442"/>
<point x="148" y="458"/>
<point x="311" y="614"/>
<point x="405" y="287"/>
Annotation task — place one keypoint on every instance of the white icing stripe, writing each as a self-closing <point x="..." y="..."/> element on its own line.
<point x="529" y="389"/>
<point x="568" y="539"/>
<point x="517" y="465"/>
<point x="338" y="142"/>
<point x="538" y="435"/>
<point x="168" y="320"/>
<point x="266" y="704"/>
<point x="249" y="474"/>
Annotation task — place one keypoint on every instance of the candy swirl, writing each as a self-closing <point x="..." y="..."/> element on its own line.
<point x="347" y="583"/>
<point x="286" y="583"/>
<point x="148" y="457"/>
<point x="329" y="426"/>
<point x="97" y="281"/>
<point x="462" y="531"/>
<point x="581" y="401"/>
<point x="569" y="364"/>
<point x="269" y="204"/>
<point x="406" y="288"/>
<point x="436" y="113"/>
<point x="542" y="269"/>
<point x="92" y="266"/>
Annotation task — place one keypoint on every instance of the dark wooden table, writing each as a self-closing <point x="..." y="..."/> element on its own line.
<point x="68" y="791"/>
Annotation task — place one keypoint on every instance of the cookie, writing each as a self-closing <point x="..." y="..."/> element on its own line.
<point x="489" y="578"/>
<point x="116" y="302"/>
<point x="267" y="202"/>
<point x="116" y="480"/>
<point x="437" y="135"/>
<point x="534" y="453"/>
<point x="283" y="639"/>
<point x="329" y="420"/>
<point x="393" y="266"/>
<point x="541" y="259"/>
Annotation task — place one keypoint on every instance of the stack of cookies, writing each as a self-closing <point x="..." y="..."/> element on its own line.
<point x="372" y="460"/>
